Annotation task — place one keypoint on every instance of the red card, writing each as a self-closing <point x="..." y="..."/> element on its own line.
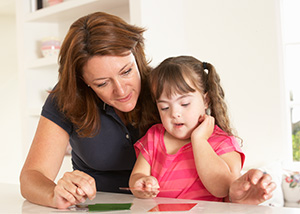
<point x="173" y="207"/>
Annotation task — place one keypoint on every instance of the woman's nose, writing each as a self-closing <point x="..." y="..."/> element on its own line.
<point x="119" y="88"/>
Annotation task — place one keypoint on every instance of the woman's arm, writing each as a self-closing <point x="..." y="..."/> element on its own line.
<point x="216" y="172"/>
<point x="142" y="180"/>
<point x="42" y="166"/>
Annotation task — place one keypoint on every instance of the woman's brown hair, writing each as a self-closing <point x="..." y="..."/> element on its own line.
<point x="171" y="76"/>
<point x="98" y="34"/>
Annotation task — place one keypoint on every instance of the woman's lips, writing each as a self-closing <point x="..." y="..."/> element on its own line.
<point x="125" y="99"/>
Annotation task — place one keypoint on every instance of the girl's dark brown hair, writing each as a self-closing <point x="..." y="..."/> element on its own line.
<point x="171" y="76"/>
<point x="98" y="34"/>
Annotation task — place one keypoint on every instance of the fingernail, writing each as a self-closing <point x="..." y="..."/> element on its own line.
<point x="255" y="181"/>
<point x="80" y="192"/>
<point x="247" y="184"/>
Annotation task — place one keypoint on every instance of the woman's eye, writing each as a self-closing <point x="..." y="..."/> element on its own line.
<point x="185" y="104"/>
<point x="127" y="71"/>
<point x="101" y="85"/>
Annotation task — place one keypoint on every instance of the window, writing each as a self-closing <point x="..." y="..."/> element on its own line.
<point x="291" y="43"/>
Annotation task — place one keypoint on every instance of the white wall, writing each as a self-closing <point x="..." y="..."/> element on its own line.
<point x="161" y="18"/>
<point x="242" y="39"/>
<point x="10" y="126"/>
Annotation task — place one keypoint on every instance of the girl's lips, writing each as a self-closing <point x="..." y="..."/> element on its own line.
<point x="125" y="99"/>
<point x="178" y="125"/>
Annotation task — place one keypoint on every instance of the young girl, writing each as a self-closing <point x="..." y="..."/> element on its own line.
<point x="191" y="155"/>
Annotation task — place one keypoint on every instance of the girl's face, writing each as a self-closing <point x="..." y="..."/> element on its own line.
<point x="115" y="79"/>
<point x="181" y="112"/>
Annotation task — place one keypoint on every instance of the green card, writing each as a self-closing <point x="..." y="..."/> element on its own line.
<point x="109" y="207"/>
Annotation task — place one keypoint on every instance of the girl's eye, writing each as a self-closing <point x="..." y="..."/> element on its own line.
<point x="165" y="108"/>
<point x="185" y="104"/>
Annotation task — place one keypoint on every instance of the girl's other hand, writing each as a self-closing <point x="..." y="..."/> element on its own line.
<point x="73" y="188"/>
<point x="146" y="187"/>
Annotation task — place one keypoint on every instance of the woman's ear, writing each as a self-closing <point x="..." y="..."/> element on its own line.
<point x="82" y="78"/>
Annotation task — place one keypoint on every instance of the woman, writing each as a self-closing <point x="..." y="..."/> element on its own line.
<point x="101" y="105"/>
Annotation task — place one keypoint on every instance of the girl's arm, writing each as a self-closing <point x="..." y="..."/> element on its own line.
<point x="216" y="172"/>
<point x="142" y="180"/>
<point x="42" y="165"/>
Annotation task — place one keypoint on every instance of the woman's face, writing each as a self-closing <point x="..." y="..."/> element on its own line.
<point x="115" y="79"/>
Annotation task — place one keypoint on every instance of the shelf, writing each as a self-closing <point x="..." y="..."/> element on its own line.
<point x="294" y="104"/>
<point x="43" y="62"/>
<point x="70" y="9"/>
<point x="292" y="43"/>
<point x="34" y="112"/>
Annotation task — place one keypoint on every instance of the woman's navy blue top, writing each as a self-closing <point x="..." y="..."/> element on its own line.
<point x="109" y="156"/>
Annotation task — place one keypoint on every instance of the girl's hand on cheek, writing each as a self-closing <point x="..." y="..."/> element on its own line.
<point x="205" y="128"/>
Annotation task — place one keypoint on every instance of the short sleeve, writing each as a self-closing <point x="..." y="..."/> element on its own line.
<point x="146" y="144"/>
<point x="222" y="144"/>
<point x="51" y="111"/>
<point x="142" y="146"/>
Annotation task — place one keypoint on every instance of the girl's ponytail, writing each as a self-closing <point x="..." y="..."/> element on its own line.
<point x="216" y="96"/>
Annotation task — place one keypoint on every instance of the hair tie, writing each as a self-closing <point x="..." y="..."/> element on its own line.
<point x="205" y="65"/>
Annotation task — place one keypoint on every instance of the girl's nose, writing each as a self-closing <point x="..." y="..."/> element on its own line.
<point x="176" y="114"/>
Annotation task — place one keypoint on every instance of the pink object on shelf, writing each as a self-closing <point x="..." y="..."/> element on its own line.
<point x="53" y="2"/>
<point x="50" y="46"/>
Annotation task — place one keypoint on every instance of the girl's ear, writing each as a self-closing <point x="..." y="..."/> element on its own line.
<point x="206" y="104"/>
<point x="206" y="100"/>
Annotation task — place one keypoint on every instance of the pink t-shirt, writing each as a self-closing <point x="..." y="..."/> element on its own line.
<point x="178" y="171"/>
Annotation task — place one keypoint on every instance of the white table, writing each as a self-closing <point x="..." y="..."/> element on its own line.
<point x="12" y="202"/>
